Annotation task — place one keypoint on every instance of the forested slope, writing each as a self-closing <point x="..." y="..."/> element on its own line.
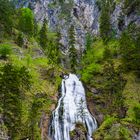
<point x="33" y="57"/>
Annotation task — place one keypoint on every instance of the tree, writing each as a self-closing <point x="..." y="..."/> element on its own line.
<point x="20" y="40"/>
<point x="36" y="30"/>
<point x="105" y="26"/>
<point x="58" y="46"/>
<point x="89" y="41"/>
<point x="26" y="21"/>
<point x="6" y="15"/>
<point x="43" y="35"/>
<point x="113" y="84"/>
<point x="129" y="48"/>
<point x="72" y="50"/>
<point x="131" y="6"/>
<point x="53" y="52"/>
<point x="40" y="101"/>
<point x="13" y="82"/>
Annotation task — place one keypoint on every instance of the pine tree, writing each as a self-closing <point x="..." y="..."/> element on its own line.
<point x="113" y="85"/>
<point x="36" y="31"/>
<point x="6" y="15"/>
<point x="72" y="50"/>
<point x="43" y="35"/>
<point x="20" y="40"/>
<point x="105" y="25"/>
<point x="129" y="48"/>
<point x="13" y="82"/>
<point x="58" y="46"/>
<point x="89" y="41"/>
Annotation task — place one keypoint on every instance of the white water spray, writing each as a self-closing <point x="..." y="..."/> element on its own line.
<point x="71" y="109"/>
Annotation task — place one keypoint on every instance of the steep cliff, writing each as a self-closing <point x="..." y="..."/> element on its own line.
<point x="83" y="14"/>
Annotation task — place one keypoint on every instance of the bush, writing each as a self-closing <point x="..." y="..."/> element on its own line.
<point x="136" y="110"/>
<point x="5" y="51"/>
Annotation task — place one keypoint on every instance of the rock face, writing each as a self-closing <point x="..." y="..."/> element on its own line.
<point x="79" y="133"/>
<point x="83" y="14"/>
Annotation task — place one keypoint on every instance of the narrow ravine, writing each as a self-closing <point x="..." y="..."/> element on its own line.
<point x="71" y="109"/>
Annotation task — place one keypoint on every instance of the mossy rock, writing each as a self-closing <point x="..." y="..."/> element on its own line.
<point x="79" y="133"/>
<point x="112" y="129"/>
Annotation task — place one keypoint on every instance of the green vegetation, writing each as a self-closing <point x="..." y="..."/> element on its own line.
<point x="43" y="35"/>
<point x="116" y="131"/>
<point x="112" y="68"/>
<point x="5" y="50"/>
<point x="131" y="6"/>
<point x="72" y="49"/>
<point x="105" y="25"/>
<point x="30" y="65"/>
<point x="29" y="72"/>
<point x="26" y="21"/>
<point x="129" y="48"/>
<point x="13" y="81"/>
<point x="6" y="16"/>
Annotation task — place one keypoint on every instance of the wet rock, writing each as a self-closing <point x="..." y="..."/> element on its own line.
<point x="79" y="133"/>
<point x="137" y="136"/>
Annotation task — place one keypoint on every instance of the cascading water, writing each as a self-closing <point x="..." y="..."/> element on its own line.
<point x="71" y="109"/>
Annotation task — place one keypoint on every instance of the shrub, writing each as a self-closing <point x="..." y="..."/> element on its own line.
<point x="136" y="110"/>
<point x="5" y="51"/>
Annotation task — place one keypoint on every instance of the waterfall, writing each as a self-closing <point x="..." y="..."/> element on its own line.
<point x="71" y="109"/>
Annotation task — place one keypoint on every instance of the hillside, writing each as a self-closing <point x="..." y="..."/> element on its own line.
<point x="46" y="46"/>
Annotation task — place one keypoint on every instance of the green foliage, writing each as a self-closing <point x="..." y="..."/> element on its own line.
<point x="108" y="122"/>
<point x="129" y="48"/>
<point x="20" y="40"/>
<point x="43" y="35"/>
<point x="53" y="53"/>
<point x="26" y="21"/>
<point x="61" y="1"/>
<point x="72" y="49"/>
<point x="6" y="15"/>
<point x="52" y="49"/>
<point x="91" y="61"/>
<point x="136" y="110"/>
<point x="23" y="108"/>
<point x="13" y="83"/>
<point x="5" y="51"/>
<point x="134" y="114"/>
<point x="39" y="101"/>
<point x="113" y="85"/>
<point x="131" y="6"/>
<point x="89" y="41"/>
<point x="111" y="50"/>
<point x="36" y="29"/>
<point x="71" y="36"/>
<point x="112" y="129"/>
<point x="105" y="25"/>
<point x="73" y="58"/>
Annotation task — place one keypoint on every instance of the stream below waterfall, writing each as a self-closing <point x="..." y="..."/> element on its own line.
<point x="71" y="109"/>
